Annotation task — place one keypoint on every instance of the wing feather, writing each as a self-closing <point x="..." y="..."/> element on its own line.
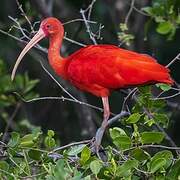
<point x="112" y="67"/>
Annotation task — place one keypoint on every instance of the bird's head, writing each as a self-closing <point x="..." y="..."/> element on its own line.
<point x="48" y="28"/>
<point x="52" y="26"/>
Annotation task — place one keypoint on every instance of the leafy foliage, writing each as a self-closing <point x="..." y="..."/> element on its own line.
<point x="123" y="36"/>
<point x="22" y="85"/>
<point x="29" y="156"/>
<point x="8" y="98"/>
<point x="166" y="14"/>
<point x="35" y="155"/>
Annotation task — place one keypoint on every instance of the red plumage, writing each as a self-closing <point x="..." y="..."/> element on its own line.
<point x="98" y="69"/>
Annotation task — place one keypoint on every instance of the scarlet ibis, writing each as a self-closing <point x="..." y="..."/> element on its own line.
<point x="97" y="69"/>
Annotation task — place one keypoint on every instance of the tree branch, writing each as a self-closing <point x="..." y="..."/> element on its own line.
<point x="174" y="60"/>
<point x="129" y="12"/>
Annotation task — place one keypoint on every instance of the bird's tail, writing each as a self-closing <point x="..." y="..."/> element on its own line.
<point x="167" y="77"/>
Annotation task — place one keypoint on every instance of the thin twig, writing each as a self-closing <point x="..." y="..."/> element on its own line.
<point x="9" y="122"/>
<point x="62" y="98"/>
<point x="19" y="27"/>
<point x="74" y="42"/>
<point x="133" y="91"/>
<point x="174" y="60"/>
<point x="32" y="176"/>
<point x="129" y="12"/>
<point x="159" y="96"/>
<point x="79" y="20"/>
<point x="70" y="145"/>
<point x="86" y="20"/>
<point x="167" y="97"/>
<point x="25" y="16"/>
<point x="51" y="76"/>
<point x="141" y="12"/>
<point x="152" y="146"/>
<point x="8" y="173"/>
<point x="12" y="160"/>
<point x="3" y="144"/>
<point x="90" y="9"/>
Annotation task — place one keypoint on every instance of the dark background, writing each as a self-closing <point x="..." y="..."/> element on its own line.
<point x="71" y="121"/>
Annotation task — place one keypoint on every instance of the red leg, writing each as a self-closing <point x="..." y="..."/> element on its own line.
<point x="101" y="130"/>
<point x="106" y="108"/>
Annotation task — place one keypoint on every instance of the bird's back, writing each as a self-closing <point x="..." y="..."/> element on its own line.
<point x="100" y="68"/>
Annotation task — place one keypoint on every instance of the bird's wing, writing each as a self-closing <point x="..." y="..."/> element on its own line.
<point x="112" y="67"/>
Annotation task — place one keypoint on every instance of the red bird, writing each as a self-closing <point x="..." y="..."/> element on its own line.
<point x="97" y="69"/>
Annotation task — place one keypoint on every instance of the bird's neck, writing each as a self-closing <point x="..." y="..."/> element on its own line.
<point x="58" y="63"/>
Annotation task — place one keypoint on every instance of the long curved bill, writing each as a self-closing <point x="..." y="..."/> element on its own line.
<point x="38" y="36"/>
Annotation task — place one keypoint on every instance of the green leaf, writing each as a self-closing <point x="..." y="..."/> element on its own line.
<point x="15" y="139"/>
<point x="27" y="141"/>
<point x="140" y="154"/>
<point x="31" y="95"/>
<point x="6" y="101"/>
<point x="85" y="155"/>
<point x="19" y="82"/>
<point x="134" y="118"/>
<point x="59" y="170"/>
<point x="35" y="155"/>
<point x="161" y="119"/>
<point x="164" y="27"/>
<point x="178" y="19"/>
<point x="148" y="121"/>
<point x="120" y="139"/>
<point x="156" y="164"/>
<point x="3" y="68"/>
<point x="113" y="165"/>
<point x="123" y="27"/>
<point x="158" y="104"/>
<point x="122" y="142"/>
<point x="174" y="172"/>
<point x="87" y="177"/>
<point x="95" y="166"/>
<point x="4" y="165"/>
<point x="116" y="132"/>
<point x="159" y="19"/>
<point x="76" y="150"/>
<point x="77" y="175"/>
<point x="125" y="169"/>
<point x="164" y="87"/>
<point x="30" y="85"/>
<point x="166" y="155"/>
<point x="145" y="90"/>
<point x="151" y="137"/>
<point x="126" y="38"/>
<point x="50" y="142"/>
<point x="51" y="133"/>
<point x="148" y="10"/>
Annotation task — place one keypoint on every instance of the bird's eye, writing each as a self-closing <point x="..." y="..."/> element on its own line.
<point x="48" y="26"/>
